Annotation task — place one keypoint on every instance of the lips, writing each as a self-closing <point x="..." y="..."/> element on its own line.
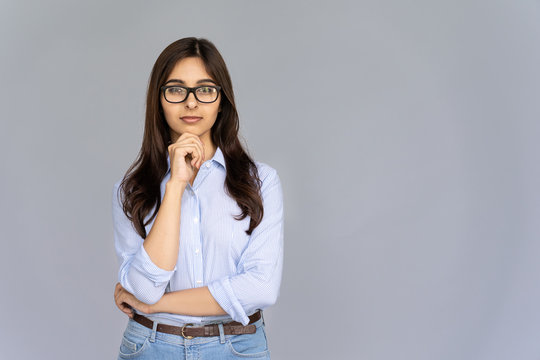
<point x="191" y="119"/>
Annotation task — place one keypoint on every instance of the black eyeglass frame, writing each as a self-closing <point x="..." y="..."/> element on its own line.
<point x="190" y="90"/>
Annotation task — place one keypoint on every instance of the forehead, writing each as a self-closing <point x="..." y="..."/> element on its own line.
<point x="189" y="70"/>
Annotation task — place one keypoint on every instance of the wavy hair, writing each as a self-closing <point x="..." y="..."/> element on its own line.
<point x="141" y="182"/>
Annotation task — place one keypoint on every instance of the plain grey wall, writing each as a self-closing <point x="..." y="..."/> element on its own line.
<point x="406" y="135"/>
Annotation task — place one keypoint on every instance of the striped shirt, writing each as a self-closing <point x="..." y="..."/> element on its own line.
<point x="242" y="272"/>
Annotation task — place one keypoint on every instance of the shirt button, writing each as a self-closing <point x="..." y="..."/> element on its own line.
<point x="207" y="164"/>
<point x="196" y="251"/>
<point x="195" y="219"/>
<point x="199" y="281"/>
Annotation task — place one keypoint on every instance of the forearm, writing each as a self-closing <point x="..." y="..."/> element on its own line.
<point x="195" y="302"/>
<point x="162" y="242"/>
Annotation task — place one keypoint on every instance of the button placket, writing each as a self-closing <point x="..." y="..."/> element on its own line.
<point x="197" y="261"/>
<point x="202" y="174"/>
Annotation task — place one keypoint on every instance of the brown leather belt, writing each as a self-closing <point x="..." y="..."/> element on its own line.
<point x="230" y="328"/>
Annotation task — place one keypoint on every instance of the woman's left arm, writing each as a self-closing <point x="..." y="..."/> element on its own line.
<point x="195" y="302"/>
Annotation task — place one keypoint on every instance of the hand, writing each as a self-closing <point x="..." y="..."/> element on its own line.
<point x="126" y="302"/>
<point x="185" y="153"/>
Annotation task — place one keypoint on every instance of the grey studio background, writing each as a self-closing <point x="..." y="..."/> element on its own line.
<point x="405" y="134"/>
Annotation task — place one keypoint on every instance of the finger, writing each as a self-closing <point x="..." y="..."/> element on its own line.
<point x="127" y="309"/>
<point x="193" y="154"/>
<point x="117" y="289"/>
<point x="197" y="142"/>
<point x="200" y="148"/>
<point x="120" y="301"/>
<point x="123" y="306"/>
<point x="192" y="149"/>
<point x="185" y="150"/>
<point x="185" y="137"/>
<point x="123" y="300"/>
<point x="120" y="305"/>
<point x="192" y="138"/>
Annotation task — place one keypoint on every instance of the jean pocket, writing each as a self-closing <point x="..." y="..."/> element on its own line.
<point x="132" y="345"/>
<point x="250" y="346"/>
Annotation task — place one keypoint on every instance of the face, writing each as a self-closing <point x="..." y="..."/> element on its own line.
<point x="190" y="72"/>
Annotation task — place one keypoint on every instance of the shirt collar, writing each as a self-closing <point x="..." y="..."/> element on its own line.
<point x="218" y="157"/>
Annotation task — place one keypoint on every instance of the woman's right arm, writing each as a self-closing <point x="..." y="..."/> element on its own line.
<point x="162" y="243"/>
<point x="147" y="265"/>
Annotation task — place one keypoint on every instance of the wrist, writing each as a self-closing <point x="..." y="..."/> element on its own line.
<point x="157" y="306"/>
<point x="175" y="184"/>
<point x="152" y="308"/>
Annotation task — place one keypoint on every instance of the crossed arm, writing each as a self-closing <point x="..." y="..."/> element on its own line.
<point x="195" y="302"/>
<point x="255" y="285"/>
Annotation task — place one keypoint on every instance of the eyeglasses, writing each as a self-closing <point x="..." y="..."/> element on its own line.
<point x="177" y="94"/>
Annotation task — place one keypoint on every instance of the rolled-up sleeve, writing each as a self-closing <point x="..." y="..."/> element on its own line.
<point x="137" y="273"/>
<point x="257" y="282"/>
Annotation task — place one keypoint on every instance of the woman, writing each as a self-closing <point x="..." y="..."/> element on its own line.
<point x="198" y="224"/>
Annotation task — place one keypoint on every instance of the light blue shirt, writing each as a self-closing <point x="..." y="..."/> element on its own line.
<point x="242" y="272"/>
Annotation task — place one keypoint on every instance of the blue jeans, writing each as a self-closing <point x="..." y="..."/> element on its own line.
<point x="140" y="342"/>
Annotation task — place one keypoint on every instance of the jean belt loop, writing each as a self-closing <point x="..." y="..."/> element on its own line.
<point x="154" y="330"/>
<point x="221" y="333"/>
<point x="262" y="316"/>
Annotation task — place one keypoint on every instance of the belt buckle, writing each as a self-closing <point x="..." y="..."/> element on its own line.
<point x="186" y="336"/>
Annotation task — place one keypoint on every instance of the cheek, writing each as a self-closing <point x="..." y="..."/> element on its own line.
<point x="168" y="111"/>
<point x="165" y="106"/>
<point x="217" y="109"/>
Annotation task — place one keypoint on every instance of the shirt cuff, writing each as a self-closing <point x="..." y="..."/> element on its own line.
<point x="142" y="263"/>
<point x="223" y="293"/>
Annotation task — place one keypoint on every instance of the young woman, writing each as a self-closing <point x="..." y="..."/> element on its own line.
<point x="198" y="224"/>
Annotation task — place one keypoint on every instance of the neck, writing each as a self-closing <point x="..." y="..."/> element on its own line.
<point x="209" y="150"/>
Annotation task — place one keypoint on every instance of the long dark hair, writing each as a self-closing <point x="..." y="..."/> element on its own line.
<point x="141" y="183"/>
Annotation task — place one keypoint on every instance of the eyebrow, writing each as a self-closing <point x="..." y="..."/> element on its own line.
<point x="183" y="82"/>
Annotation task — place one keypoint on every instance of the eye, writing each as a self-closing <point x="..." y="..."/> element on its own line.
<point x="176" y="90"/>
<point x="206" y="90"/>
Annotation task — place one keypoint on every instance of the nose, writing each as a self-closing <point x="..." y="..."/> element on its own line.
<point x="191" y="101"/>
